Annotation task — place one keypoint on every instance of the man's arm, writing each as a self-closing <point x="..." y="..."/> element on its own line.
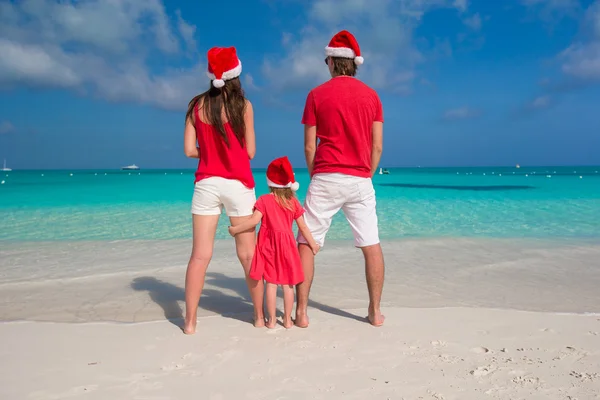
<point x="310" y="146"/>
<point x="377" y="147"/>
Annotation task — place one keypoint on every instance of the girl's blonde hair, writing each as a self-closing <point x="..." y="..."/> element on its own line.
<point x="284" y="197"/>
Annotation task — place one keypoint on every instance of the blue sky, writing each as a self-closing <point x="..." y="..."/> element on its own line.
<point x="98" y="84"/>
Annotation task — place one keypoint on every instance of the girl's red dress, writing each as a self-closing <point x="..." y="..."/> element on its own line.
<point x="276" y="259"/>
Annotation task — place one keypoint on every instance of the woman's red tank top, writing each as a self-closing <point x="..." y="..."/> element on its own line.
<point x="216" y="159"/>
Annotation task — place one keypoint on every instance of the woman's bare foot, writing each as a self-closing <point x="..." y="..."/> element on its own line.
<point x="301" y="320"/>
<point x="376" y="318"/>
<point x="271" y="323"/>
<point x="259" y="322"/>
<point x="189" y="328"/>
<point x="287" y="322"/>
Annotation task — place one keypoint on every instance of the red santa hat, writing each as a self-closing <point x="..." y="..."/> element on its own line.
<point x="223" y="65"/>
<point x="281" y="175"/>
<point x="344" y="45"/>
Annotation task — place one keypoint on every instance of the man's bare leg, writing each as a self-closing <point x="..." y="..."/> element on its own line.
<point x="303" y="289"/>
<point x="374" y="271"/>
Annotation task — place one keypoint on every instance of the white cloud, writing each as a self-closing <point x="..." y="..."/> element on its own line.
<point x="384" y="30"/>
<point x="97" y="47"/>
<point x="552" y="9"/>
<point x="581" y="60"/>
<point x="460" y="114"/>
<point x="6" y="127"/>
<point x="473" y="22"/>
<point x="249" y="82"/>
<point x="541" y="102"/>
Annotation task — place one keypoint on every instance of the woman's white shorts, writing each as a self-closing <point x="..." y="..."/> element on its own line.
<point x="214" y="193"/>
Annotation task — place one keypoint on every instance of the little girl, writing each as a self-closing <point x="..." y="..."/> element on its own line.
<point x="276" y="259"/>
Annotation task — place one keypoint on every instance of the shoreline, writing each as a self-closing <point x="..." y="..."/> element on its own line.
<point x="138" y="281"/>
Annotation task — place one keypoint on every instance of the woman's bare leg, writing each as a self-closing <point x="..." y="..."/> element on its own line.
<point x="205" y="227"/>
<point x="272" y="305"/>
<point x="288" y="304"/>
<point x="245" y="243"/>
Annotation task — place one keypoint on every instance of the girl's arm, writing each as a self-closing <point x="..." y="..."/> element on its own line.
<point x="247" y="225"/>
<point x="249" y="136"/>
<point x="190" y="146"/>
<point x="307" y="235"/>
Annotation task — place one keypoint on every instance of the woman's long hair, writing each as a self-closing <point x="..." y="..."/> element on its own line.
<point x="284" y="197"/>
<point x="231" y="98"/>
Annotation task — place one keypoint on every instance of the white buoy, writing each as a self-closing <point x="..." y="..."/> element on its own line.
<point x="42" y="174"/>
<point x="580" y="177"/>
<point x="105" y="173"/>
<point x="2" y="182"/>
<point x="527" y="175"/>
<point x="130" y="173"/>
<point x="70" y="174"/>
<point x="139" y="173"/>
<point x="484" y="173"/>
<point x="548" y="176"/>
<point x="96" y="173"/>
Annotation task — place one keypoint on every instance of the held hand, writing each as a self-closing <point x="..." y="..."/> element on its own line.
<point x="315" y="248"/>
<point x="232" y="231"/>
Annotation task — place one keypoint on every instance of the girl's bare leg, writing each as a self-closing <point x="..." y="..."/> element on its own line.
<point x="288" y="304"/>
<point x="272" y="305"/>
<point x="204" y="228"/>
<point x="245" y="243"/>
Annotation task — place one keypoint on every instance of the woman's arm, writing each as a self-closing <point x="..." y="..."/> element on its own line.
<point x="307" y="235"/>
<point x="250" y="135"/>
<point x="190" y="146"/>
<point x="247" y="225"/>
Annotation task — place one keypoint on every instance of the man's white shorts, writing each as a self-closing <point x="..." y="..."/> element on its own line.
<point x="355" y="196"/>
<point x="214" y="193"/>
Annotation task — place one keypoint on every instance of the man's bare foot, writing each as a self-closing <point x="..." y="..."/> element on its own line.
<point x="301" y="320"/>
<point x="376" y="318"/>
<point x="259" y="322"/>
<point x="271" y="323"/>
<point x="189" y="328"/>
<point x="287" y="322"/>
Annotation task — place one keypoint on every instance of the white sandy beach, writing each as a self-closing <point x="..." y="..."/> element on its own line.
<point x="466" y="319"/>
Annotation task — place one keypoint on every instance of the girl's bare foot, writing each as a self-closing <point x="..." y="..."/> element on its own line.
<point x="287" y="322"/>
<point x="271" y="323"/>
<point x="189" y="328"/>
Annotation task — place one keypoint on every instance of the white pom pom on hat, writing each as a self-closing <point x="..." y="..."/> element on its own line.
<point x="218" y="83"/>
<point x="295" y="186"/>
<point x="344" y="45"/>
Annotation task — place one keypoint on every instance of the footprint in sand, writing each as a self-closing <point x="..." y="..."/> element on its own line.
<point x="526" y="380"/>
<point x="435" y="395"/>
<point x="480" y="372"/>
<point x="584" y="376"/>
<point x="173" y="367"/>
<point x="480" y="350"/>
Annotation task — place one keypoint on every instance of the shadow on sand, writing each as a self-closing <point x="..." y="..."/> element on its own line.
<point x="239" y="306"/>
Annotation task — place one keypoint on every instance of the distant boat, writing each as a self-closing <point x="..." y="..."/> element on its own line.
<point x="518" y="166"/>
<point x="4" y="169"/>
<point x="383" y="171"/>
<point x="130" y="167"/>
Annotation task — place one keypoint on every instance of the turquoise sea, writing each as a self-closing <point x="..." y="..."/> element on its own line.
<point x="540" y="202"/>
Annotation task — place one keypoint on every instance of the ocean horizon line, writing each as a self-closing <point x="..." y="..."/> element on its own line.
<point x="150" y="169"/>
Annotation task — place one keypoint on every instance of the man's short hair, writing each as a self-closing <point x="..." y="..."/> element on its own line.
<point x="343" y="66"/>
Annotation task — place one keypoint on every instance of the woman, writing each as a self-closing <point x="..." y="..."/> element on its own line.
<point x="219" y="131"/>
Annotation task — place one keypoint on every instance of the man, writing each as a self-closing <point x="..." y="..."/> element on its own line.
<point x="346" y="117"/>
